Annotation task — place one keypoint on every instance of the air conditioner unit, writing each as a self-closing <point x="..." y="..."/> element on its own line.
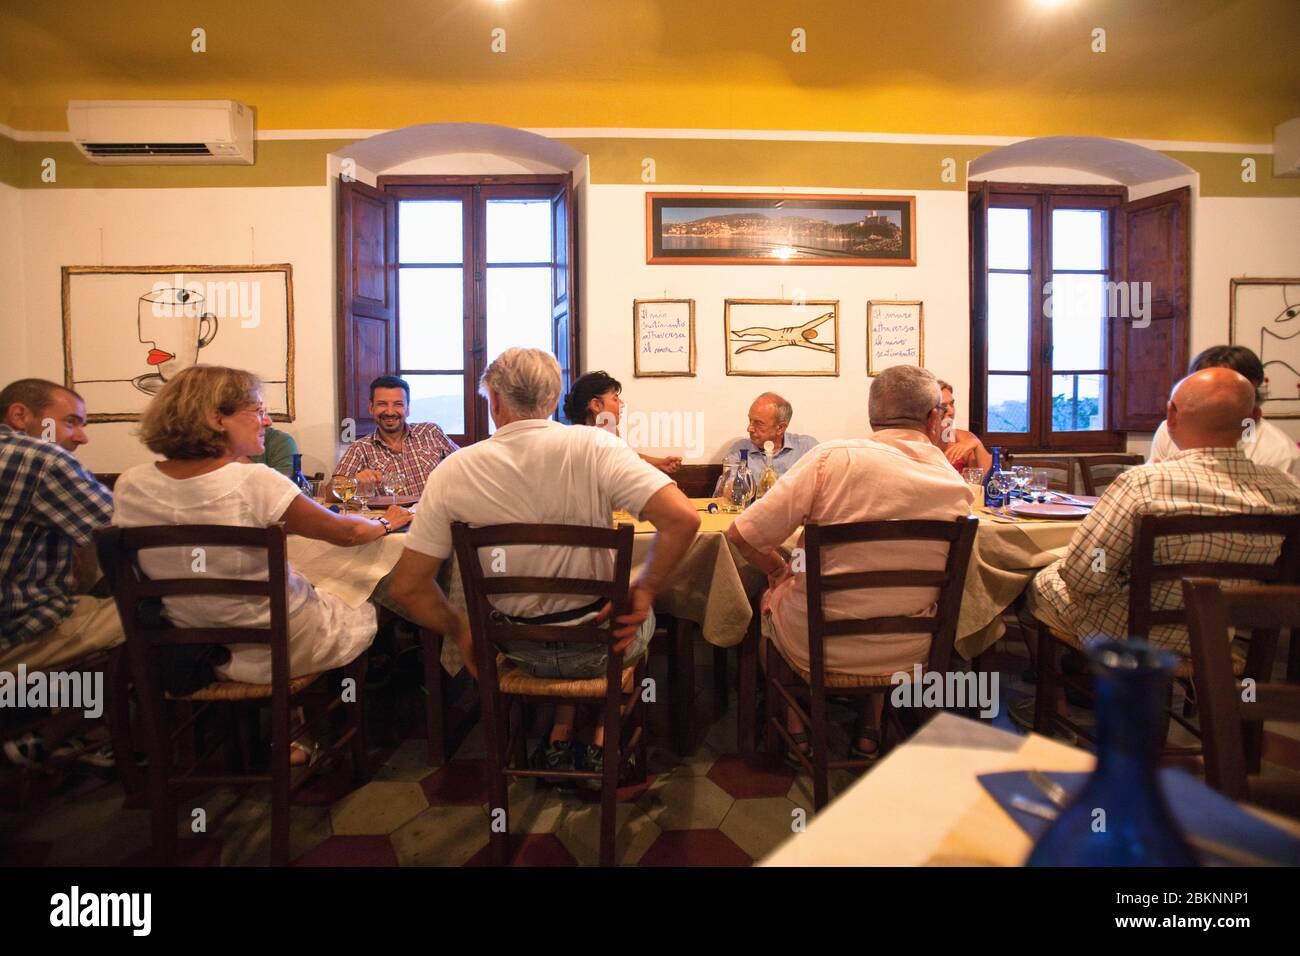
<point x="162" y="132"/>
<point x="1286" y="148"/>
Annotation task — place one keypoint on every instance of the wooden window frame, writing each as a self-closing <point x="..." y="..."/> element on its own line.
<point x="1040" y="200"/>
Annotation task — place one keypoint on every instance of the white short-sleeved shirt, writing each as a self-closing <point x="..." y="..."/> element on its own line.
<point x="239" y="495"/>
<point x="896" y="473"/>
<point x="535" y="471"/>
<point x="1270" y="446"/>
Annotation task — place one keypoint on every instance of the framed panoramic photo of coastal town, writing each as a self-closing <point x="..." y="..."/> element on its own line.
<point x="780" y="229"/>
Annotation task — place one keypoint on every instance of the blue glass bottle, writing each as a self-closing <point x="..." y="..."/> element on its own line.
<point x="992" y="499"/>
<point x="298" y="478"/>
<point x="1120" y="817"/>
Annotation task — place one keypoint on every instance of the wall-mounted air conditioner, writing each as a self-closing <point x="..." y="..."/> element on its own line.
<point x="162" y="132"/>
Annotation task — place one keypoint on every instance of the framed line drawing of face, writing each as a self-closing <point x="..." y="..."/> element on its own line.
<point x="127" y="330"/>
<point x="782" y="336"/>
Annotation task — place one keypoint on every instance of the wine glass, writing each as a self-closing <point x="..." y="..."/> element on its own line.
<point x="365" y="491"/>
<point x="1023" y="475"/>
<point x="1001" y="484"/>
<point x="344" y="487"/>
<point x="392" y="483"/>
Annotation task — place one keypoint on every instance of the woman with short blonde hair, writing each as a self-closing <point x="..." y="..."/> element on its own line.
<point x="205" y="423"/>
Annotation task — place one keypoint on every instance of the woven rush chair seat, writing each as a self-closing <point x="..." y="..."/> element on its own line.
<point x="515" y="680"/>
<point x="839" y="678"/>
<point x="1184" y="668"/>
<point x="233" y="690"/>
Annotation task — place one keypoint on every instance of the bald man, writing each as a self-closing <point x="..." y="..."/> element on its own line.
<point x="769" y="417"/>
<point x="1086" y="592"/>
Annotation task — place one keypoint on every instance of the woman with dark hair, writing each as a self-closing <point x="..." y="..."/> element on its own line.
<point x="1264" y="443"/>
<point x="594" y="400"/>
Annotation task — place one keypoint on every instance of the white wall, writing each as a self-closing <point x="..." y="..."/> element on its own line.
<point x="615" y="273"/>
<point x="13" y="363"/>
<point x="183" y="226"/>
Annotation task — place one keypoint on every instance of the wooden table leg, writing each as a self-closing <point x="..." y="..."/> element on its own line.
<point x="684" y="644"/>
<point x="747" y="698"/>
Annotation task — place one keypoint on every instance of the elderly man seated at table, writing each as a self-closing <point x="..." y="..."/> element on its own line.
<point x="899" y="472"/>
<point x="769" y="417"/>
<point x="1209" y="475"/>
<point x="536" y="471"/>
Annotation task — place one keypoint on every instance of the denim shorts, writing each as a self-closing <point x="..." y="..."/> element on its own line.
<point x="575" y="661"/>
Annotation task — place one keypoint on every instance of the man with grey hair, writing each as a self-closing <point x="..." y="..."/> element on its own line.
<point x="896" y="473"/>
<point x="533" y="470"/>
<point x="769" y="417"/>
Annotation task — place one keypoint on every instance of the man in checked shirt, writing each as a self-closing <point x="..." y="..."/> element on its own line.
<point x="406" y="452"/>
<point x="49" y="507"/>
<point x="1088" y="596"/>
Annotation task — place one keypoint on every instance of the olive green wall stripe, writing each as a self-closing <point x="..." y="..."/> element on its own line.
<point x="299" y="162"/>
<point x="616" y="160"/>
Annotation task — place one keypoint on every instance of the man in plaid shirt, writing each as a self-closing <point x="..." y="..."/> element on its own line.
<point x="1086" y="592"/>
<point x="49" y="507"/>
<point x="407" y="452"/>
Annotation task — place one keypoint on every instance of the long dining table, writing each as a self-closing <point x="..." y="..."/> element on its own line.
<point x="714" y="590"/>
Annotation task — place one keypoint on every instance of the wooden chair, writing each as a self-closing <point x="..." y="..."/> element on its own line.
<point x="117" y="714"/>
<point x="697" y="481"/>
<point x="1098" y="471"/>
<point x="1144" y="574"/>
<point x="503" y="686"/>
<point x="1232" y="721"/>
<point x="1060" y="470"/>
<point x="787" y="682"/>
<point x="145" y="640"/>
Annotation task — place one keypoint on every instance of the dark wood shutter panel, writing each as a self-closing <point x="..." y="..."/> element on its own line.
<point x="1152" y="245"/>
<point x="979" y="325"/>
<point x="564" y="311"/>
<point x="367" y="259"/>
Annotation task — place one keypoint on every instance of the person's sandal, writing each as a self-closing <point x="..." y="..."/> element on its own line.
<point x="309" y="747"/>
<point x="857" y="753"/>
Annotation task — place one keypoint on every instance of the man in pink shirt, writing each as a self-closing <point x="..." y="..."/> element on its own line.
<point x="897" y="473"/>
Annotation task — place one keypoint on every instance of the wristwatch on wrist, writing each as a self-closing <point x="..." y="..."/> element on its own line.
<point x="388" y="526"/>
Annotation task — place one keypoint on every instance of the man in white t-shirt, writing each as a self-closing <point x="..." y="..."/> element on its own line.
<point x="1265" y="443"/>
<point x="537" y="471"/>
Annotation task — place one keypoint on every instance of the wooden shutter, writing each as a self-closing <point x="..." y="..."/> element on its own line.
<point x="1152" y="245"/>
<point x="367" y="340"/>
<point x="564" y="311"/>
<point x="979" y="319"/>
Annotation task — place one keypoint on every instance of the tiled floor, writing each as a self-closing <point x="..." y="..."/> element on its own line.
<point x="714" y="808"/>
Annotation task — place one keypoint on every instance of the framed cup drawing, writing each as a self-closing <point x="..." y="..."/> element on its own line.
<point x="780" y="229"/>
<point x="1264" y="316"/>
<point x="129" y="329"/>
<point x="782" y="336"/>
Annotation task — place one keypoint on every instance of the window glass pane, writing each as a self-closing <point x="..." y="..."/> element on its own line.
<point x="1078" y="329"/>
<point x="1008" y="238"/>
<point x="518" y="309"/>
<point x="1008" y="403"/>
<point x="1008" y="331"/>
<point x="1078" y="403"/>
<point x="519" y="230"/>
<point x="439" y="399"/>
<point x="429" y="231"/>
<point x="432" y="310"/>
<point x="1078" y="239"/>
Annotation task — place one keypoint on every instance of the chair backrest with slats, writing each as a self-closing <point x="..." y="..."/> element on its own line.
<point x="959" y="536"/>
<point x="488" y="632"/>
<point x="1098" y="471"/>
<point x="1226" y="709"/>
<point x="1146" y="574"/>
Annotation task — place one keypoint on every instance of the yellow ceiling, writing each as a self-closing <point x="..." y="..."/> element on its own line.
<point x="1193" y="70"/>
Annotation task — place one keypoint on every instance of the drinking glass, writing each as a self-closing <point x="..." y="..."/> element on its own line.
<point x="344" y="488"/>
<point x="1001" y="484"/>
<point x="392" y="483"/>
<point x="365" y="491"/>
<point x="974" y="476"/>
<point x="1022" y="474"/>
<point x="1038" y="483"/>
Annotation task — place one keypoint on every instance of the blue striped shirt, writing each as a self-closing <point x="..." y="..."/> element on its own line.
<point x="793" y="447"/>
<point x="49" y="505"/>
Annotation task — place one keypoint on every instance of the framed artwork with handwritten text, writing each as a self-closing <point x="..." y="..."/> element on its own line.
<point x="663" y="337"/>
<point x="895" y="334"/>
